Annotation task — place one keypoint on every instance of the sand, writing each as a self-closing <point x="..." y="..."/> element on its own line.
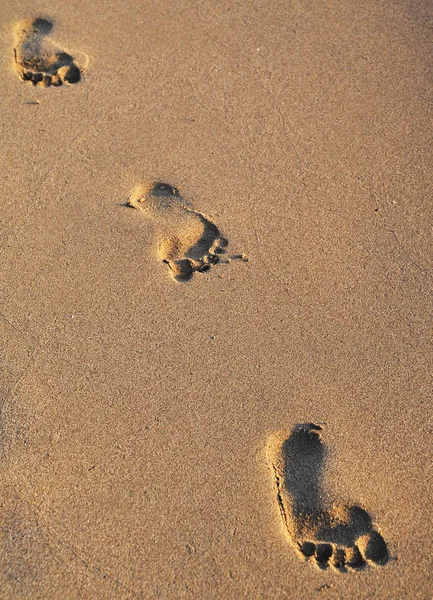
<point x="136" y="409"/>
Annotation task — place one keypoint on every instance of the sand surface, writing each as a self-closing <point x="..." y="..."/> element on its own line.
<point x="136" y="409"/>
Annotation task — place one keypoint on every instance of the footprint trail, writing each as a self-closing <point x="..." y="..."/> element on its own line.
<point x="321" y="529"/>
<point x="188" y="242"/>
<point x="40" y="60"/>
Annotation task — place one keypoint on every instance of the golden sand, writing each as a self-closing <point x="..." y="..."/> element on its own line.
<point x="137" y="411"/>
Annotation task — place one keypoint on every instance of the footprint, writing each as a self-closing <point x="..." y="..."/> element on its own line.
<point x="40" y="60"/>
<point x="322" y="530"/>
<point x="188" y="241"/>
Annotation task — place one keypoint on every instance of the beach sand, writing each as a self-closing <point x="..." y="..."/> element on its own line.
<point x="137" y="411"/>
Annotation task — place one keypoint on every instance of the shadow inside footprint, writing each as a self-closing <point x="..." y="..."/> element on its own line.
<point x="328" y="531"/>
<point x="40" y="60"/>
<point x="304" y="455"/>
<point x="188" y="242"/>
<point x="206" y="243"/>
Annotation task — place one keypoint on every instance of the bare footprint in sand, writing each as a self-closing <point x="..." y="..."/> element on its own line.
<point x="322" y="530"/>
<point x="188" y="241"/>
<point x="40" y="60"/>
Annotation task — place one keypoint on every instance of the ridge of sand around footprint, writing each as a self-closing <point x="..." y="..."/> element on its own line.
<point x="321" y="529"/>
<point x="39" y="60"/>
<point x="187" y="241"/>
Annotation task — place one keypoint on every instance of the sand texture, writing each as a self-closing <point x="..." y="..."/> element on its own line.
<point x="216" y="300"/>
